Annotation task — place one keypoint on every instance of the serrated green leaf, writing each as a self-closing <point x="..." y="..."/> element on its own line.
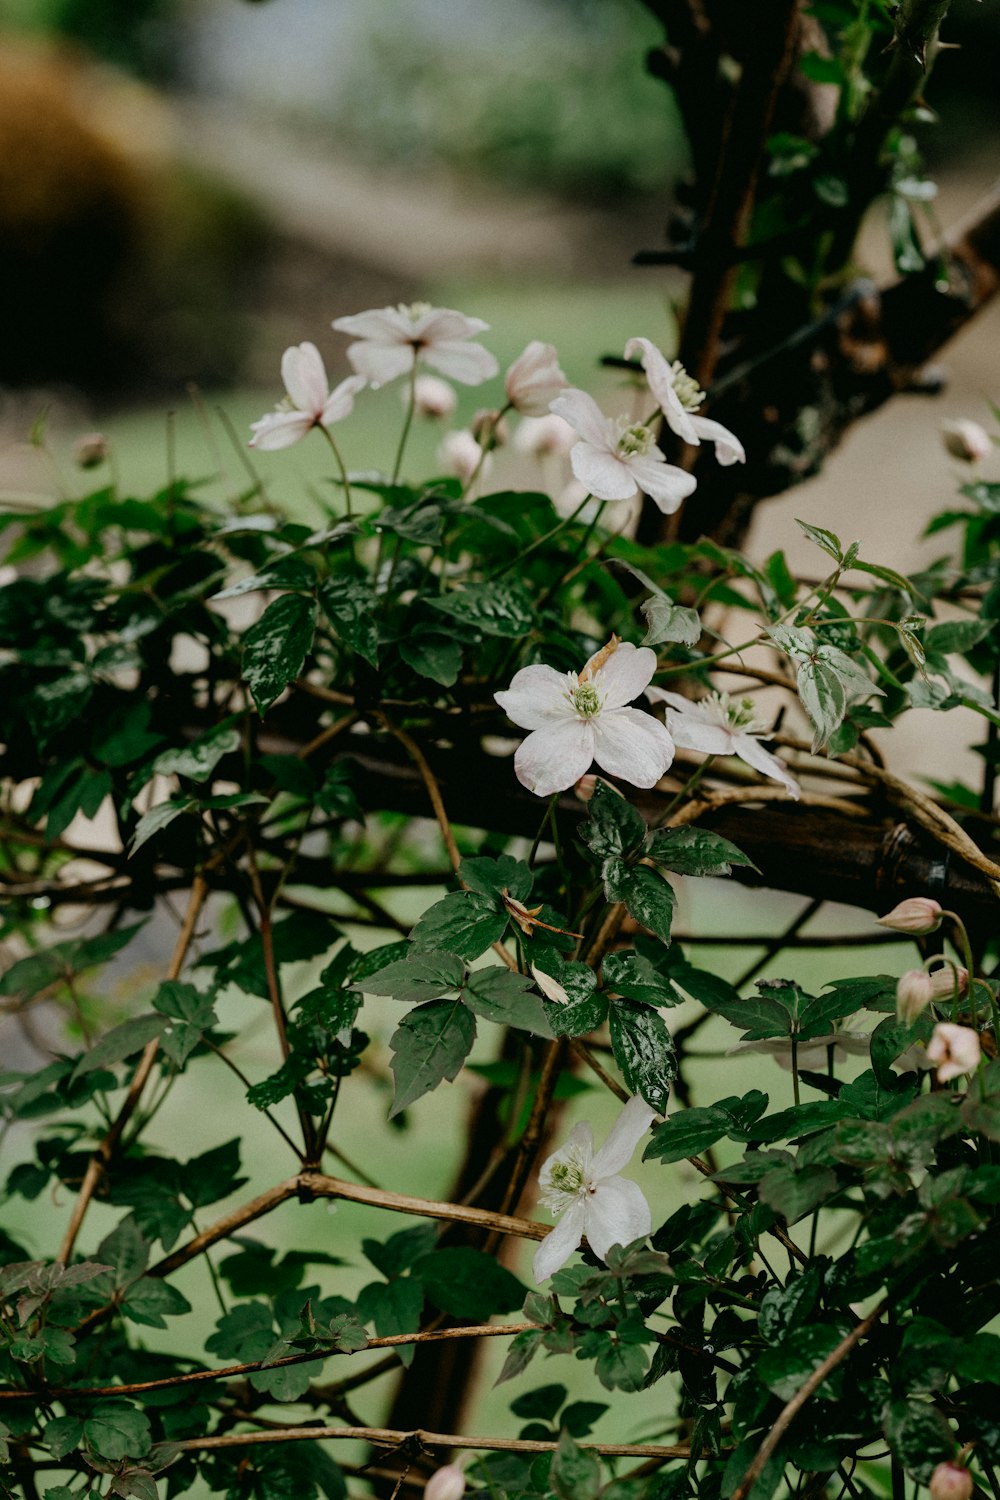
<point x="429" y="1046"/>
<point x="614" y="826"/>
<point x="575" y="1473"/>
<point x="648" y="897"/>
<point x="695" y="851"/>
<point x="426" y="974"/>
<point x="116" y="1429"/>
<point x="507" y="999"/>
<point x="464" y="922"/>
<point x="468" y="1283"/>
<point x="275" y="647"/>
<point x="352" y="608"/>
<point x="644" y="1051"/>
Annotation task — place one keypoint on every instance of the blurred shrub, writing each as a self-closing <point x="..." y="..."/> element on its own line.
<point x="139" y="35"/>
<point x="114" y="269"/>
<point x="562" y="103"/>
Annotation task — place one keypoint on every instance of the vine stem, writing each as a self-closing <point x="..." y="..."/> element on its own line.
<point x="396" y="1438"/>
<point x="792" y="1408"/>
<point x="102" y="1156"/>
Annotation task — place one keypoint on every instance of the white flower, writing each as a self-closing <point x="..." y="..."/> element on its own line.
<point x="433" y="397"/>
<point x="717" y="726"/>
<point x="310" y="402"/>
<point x="914" y="992"/>
<point x="812" y="1053"/>
<point x="617" y="459"/>
<point x="579" y="719"/>
<point x="461" y="455"/>
<point x="679" y="398"/>
<point x="954" y="1049"/>
<point x="447" y="1483"/>
<point x="534" y="379"/>
<point x="966" y="440"/>
<point x="584" y="1187"/>
<point x="544" y="437"/>
<point x="391" y="339"/>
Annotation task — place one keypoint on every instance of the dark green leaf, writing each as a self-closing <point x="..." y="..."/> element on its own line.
<point x="575" y="1473"/>
<point x="468" y="1283"/>
<point x="500" y="609"/>
<point x="614" y="826"/>
<point x="120" y="1042"/>
<point x="276" y="646"/>
<point x="644" y="1051"/>
<point x="793" y="1193"/>
<point x="785" y="1368"/>
<point x="199" y="759"/>
<point x="464" y="922"/>
<point x="694" y="851"/>
<point x="426" y="975"/>
<point x="507" y="999"/>
<point x="116" y="1430"/>
<point x="151" y="1301"/>
<point x="352" y="608"/>
<point x="430" y="1045"/>
<point x="438" y="657"/>
<point x="919" y="1436"/>
<point x="647" y="896"/>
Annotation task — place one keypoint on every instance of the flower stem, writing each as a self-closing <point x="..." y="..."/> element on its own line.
<point x="348" y="512"/>
<point x="539" y="541"/>
<point x="407" y="422"/>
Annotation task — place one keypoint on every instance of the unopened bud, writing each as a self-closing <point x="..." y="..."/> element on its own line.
<point x="947" y="980"/>
<point x="918" y="915"/>
<point x="445" y="1484"/>
<point x="490" y="429"/>
<point x="914" y="993"/>
<point x="966" y="440"/>
<point x="461" y="455"/>
<point x="951" y="1482"/>
<point x="545" y="437"/>
<point x="91" y="449"/>
<point x="433" y="397"/>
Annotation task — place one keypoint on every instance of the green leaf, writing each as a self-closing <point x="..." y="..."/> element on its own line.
<point x="634" y="975"/>
<point x="667" y="621"/>
<point x="430" y="1045"/>
<point x="190" y="1013"/>
<point x="979" y="1358"/>
<point x="614" y="826"/>
<point x="575" y="1473"/>
<point x="786" y="1307"/>
<point x="918" y="1435"/>
<point x="507" y="999"/>
<point x="644" y="1051"/>
<point x="199" y="759"/>
<point x="464" y="922"/>
<point x="824" y="699"/>
<point x="426" y="975"/>
<point x="352" y="608"/>
<point x="828" y="540"/>
<point x="498" y="609"/>
<point x="151" y="1301"/>
<point x="119" y="1043"/>
<point x="794" y="1192"/>
<point x="276" y="646"/>
<point x="126" y="1251"/>
<point x="523" y="1348"/>
<point x="438" y="657"/>
<point x="468" y="1283"/>
<point x="687" y="1133"/>
<point x="786" y="1368"/>
<point x="955" y="636"/>
<point x="394" y="1307"/>
<point x="586" y="1008"/>
<point x="491" y="877"/>
<point x="647" y="896"/>
<point x="798" y="1120"/>
<point x="116" y="1429"/>
<point x="695" y="851"/>
<point x="63" y="1435"/>
<point x="159" y="817"/>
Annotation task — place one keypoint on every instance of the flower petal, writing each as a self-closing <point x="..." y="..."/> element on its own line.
<point x="632" y="745"/>
<point x="380" y="363"/>
<point x="538" y="695"/>
<point x="691" y="733"/>
<point x="728" y="448"/>
<point x="534" y="379"/>
<point x="665" y="484"/>
<point x="554" y="758"/>
<point x="340" y="402"/>
<point x="578" y="1147"/>
<point x="305" y="377"/>
<point x="557" y="1246"/>
<point x="585" y="416"/>
<point x="605" y="476"/>
<point x="280" y="429"/>
<point x="623" y="1137"/>
<point x="387" y="325"/>
<point x="661" y="382"/>
<point x="616" y="1213"/>
<point x="752" y="751"/>
<point x="626" y="673"/>
<point x="442" y="325"/>
<point x="469" y="364"/>
<point x="676" y="700"/>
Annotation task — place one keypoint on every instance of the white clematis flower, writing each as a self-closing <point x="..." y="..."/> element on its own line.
<point x="718" y="726"/>
<point x="576" y="720"/>
<point x="583" y="1186"/>
<point x="679" y="398"/>
<point x="812" y="1053"/>
<point x="534" y="379"/>
<point x="618" y="458"/>
<point x="390" y="340"/>
<point x="954" y="1050"/>
<point x="309" y="403"/>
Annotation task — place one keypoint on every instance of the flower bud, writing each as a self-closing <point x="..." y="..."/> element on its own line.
<point x="914" y="993"/>
<point x="449" y="1484"/>
<point x="918" y="915"/>
<point x="955" y="1050"/>
<point x="433" y="397"/>
<point x="461" y="454"/>
<point x="946" y="979"/>
<point x="534" y="379"/>
<point x="490" y="430"/>
<point x="91" y="449"/>
<point x="544" y="437"/>
<point x="966" y="440"/>
<point x="951" y="1482"/>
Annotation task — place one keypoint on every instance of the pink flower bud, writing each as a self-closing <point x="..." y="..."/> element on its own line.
<point x="490" y="429"/>
<point x="433" y="397"/>
<point x="950" y="1482"/>
<point x="544" y="437"/>
<point x="914" y="993"/>
<point x="461" y="455"/>
<point x="918" y="914"/>
<point x="91" y="449"/>
<point x="534" y="379"/>
<point x="955" y="1049"/>
<point x="966" y="440"/>
<point x="944" y="981"/>
<point x="447" y="1484"/>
